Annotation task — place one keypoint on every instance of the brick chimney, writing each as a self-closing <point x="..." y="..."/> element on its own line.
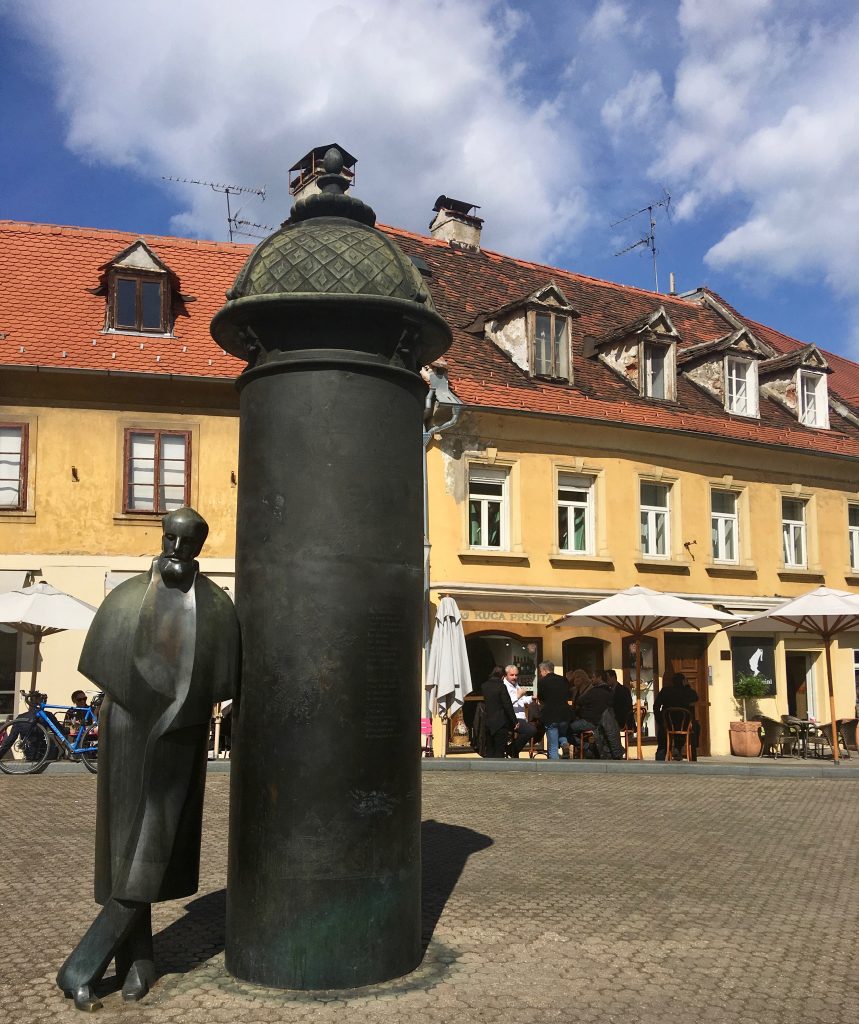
<point x="455" y="223"/>
<point x="304" y="175"/>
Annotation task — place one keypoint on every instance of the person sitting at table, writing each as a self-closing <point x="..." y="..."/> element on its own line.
<point x="74" y="718"/>
<point x="519" y="698"/>
<point x="675" y="694"/>
<point x="588" y="713"/>
<point x="553" y="693"/>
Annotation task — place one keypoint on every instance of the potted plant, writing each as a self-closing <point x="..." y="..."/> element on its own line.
<point x="745" y="735"/>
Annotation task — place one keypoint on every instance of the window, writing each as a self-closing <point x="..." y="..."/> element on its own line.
<point x="138" y="305"/>
<point x="853" y="534"/>
<point x="811" y="398"/>
<point x="654" y="519"/>
<point x="793" y="532"/>
<point x="13" y="467"/>
<point x="575" y="514"/>
<point x="157" y="464"/>
<point x="657" y="365"/>
<point x="724" y="525"/>
<point x="741" y="386"/>
<point x="551" y="346"/>
<point x="487" y="508"/>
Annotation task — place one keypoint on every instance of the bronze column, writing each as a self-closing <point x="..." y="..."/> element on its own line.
<point x="324" y="860"/>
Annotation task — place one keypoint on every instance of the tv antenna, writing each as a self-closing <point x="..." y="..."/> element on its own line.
<point x="649" y="240"/>
<point x="227" y="190"/>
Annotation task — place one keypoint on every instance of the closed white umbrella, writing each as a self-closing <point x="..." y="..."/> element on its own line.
<point x="448" y="675"/>
<point x="641" y="612"/>
<point x="40" y="610"/>
<point x="825" y="612"/>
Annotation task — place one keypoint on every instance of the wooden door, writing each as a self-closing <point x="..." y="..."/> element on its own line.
<point x="687" y="653"/>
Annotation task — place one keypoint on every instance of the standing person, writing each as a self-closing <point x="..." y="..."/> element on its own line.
<point x="675" y="694"/>
<point x="499" y="716"/>
<point x="164" y="646"/>
<point x="519" y="699"/>
<point x="553" y="693"/>
<point x="621" y="704"/>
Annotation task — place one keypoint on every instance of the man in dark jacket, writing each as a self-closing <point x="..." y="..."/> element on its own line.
<point x="676" y="694"/>
<point x="553" y="693"/>
<point x="499" y="715"/>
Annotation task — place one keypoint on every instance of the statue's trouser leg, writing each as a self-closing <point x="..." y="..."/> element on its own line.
<point x="135" y="964"/>
<point x="89" y="959"/>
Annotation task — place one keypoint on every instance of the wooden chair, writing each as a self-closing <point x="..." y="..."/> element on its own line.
<point x="577" y="750"/>
<point x="677" y="722"/>
<point x="537" y="744"/>
<point x="627" y="734"/>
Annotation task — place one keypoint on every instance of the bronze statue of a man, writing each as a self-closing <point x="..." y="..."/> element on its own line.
<point x="164" y="646"/>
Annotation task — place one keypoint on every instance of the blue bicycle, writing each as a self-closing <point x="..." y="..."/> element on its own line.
<point x="31" y="741"/>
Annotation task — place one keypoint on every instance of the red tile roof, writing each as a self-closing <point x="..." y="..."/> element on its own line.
<point x="50" y="318"/>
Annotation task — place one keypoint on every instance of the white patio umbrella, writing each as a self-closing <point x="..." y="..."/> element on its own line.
<point x="448" y="674"/>
<point x="42" y="609"/>
<point x="825" y="612"/>
<point x="641" y="612"/>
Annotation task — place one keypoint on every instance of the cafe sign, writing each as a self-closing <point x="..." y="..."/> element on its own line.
<point x="542" y="618"/>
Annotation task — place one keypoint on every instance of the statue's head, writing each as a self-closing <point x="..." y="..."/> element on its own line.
<point x="185" y="532"/>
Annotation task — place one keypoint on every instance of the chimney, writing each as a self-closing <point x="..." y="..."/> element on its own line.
<point x="304" y="175"/>
<point x="456" y="224"/>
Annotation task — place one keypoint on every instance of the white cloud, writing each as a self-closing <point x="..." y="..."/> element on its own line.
<point x="634" y="106"/>
<point x="610" y="19"/>
<point x="426" y="94"/>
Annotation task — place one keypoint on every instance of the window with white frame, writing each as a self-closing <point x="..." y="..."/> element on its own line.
<point x="812" y="399"/>
<point x="741" y="386"/>
<point x="13" y="467"/>
<point x="724" y="526"/>
<point x="487" y="508"/>
<point x="656" y="379"/>
<point x="551" y="345"/>
<point x="655" y="524"/>
<point x="157" y="470"/>
<point x="853" y="534"/>
<point x="575" y="513"/>
<point x="793" y="532"/>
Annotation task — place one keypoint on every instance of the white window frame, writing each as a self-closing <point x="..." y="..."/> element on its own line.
<point x="13" y="465"/>
<point x="719" y="526"/>
<point x="741" y="398"/>
<point x="793" y="530"/>
<point x="567" y="481"/>
<point x="646" y="374"/>
<point x="648" y="519"/>
<point x="479" y="474"/>
<point x="160" y="477"/>
<point x="853" y="535"/>
<point x="813" y="413"/>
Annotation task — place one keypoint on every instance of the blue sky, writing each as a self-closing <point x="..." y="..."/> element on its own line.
<point x="557" y="118"/>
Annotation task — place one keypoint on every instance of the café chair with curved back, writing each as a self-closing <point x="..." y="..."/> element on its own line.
<point x="775" y="738"/>
<point x="537" y="743"/>
<point x="577" y="749"/>
<point x="678" y="723"/>
<point x="627" y="733"/>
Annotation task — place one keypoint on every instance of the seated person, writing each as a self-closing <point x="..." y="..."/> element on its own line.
<point x="74" y="717"/>
<point x="587" y="715"/>
<point x="519" y="698"/>
<point x="675" y="694"/>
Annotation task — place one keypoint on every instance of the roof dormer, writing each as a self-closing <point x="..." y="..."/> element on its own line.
<point x="535" y="332"/>
<point x="797" y="380"/>
<point x="139" y="290"/>
<point x="643" y="353"/>
<point x="727" y="368"/>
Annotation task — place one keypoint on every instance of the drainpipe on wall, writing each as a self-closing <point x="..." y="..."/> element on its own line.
<point x="439" y="394"/>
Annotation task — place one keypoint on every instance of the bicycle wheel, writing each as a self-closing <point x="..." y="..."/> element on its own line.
<point x="27" y="747"/>
<point x="89" y="749"/>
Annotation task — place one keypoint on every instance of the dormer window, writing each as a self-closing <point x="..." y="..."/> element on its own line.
<point x="139" y="304"/>
<point x="643" y="353"/>
<point x="655" y="371"/>
<point x="551" y="346"/>
<point x="139" y="289"/>
<point x="812" y="398"/>
<point x="741" y="386"/>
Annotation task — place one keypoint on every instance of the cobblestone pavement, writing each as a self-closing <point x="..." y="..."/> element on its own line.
<point x="557" y="897"/>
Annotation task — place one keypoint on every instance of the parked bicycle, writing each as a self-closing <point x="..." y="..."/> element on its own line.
<point x="30" y="742"/>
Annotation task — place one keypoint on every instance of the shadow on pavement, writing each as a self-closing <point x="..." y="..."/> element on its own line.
<point x="195" y="937"/>
<point x="445" y="850"/>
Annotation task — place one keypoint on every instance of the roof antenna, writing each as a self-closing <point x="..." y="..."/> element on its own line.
<point x="227" y="190"/>
<point x="649" y="240"/>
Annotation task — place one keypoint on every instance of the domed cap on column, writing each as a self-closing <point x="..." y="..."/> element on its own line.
<point x="329" y="279"/>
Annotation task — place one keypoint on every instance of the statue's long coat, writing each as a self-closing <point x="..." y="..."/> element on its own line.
<point x="161" y="674"/>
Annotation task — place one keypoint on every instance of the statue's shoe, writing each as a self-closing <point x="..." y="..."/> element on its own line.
<point x="140" y="977"/>
<point x="84" y="997"/>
